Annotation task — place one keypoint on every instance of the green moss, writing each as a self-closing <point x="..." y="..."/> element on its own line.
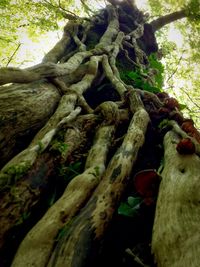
<point x="41" y="147"/>
<point x="17" y="171"/>
<point x="97" y="171"/>
<point x="60" y="147"/>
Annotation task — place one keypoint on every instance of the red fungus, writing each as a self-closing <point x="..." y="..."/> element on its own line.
<point x="185" y="146"/>
<point x="188" y="127"/>
<point x="147" y="182"/>
<point x="162" y="95"/>
<point x="171" y="103"/>
<point x="163" y="111"/>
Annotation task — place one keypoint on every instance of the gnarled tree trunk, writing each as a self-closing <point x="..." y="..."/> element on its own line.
<point x="75" y="131"/>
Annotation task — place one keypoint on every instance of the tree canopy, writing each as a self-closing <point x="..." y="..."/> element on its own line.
<point x="181" y="62"/>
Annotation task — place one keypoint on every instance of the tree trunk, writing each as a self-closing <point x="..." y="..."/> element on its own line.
<point x="82" y="132"/>
<point x="176" y="243"/>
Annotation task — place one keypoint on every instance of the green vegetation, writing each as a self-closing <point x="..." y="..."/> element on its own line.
<point x="181" y="56"/>
<point x="131" y="207"/>
<point x="158" y="68"/>
<point x="181" y="59"/>
<point x="41" y="146"/>
<point x="60" y="147"/>
<point x="17" y="171"/>
<point x="23" y="218"/>
<point x="70" y="171"/>
<point x="143" y="79"/>
<point x="63" y="231"/>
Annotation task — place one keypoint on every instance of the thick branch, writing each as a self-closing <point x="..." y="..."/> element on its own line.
<point x="45" y="70"/>
<point x="157" y="24"/>
<point x="57" y="52"/>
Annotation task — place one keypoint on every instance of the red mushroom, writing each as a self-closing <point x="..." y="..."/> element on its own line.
<point x="171" y="103"/>
<point x="147" y="183"/>
<point x="185" y="146"/>
<point x="189" y="128"/>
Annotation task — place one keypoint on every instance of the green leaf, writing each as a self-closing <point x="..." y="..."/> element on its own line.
<point x="75" y="167"/>
<point x="182" y="106"/>
<point x="131" y="207"/>
<point x="149" y="88"/>
<point x="133" y="201"/>
<point x="158" y="66"/>
<point x="134" y="75"/>
<point x="163" y="124"/>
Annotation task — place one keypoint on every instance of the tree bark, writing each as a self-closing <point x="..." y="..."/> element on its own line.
<point x="176" y="228"/>
<point x="159" y="23"/>
<point x="23" y="114"/>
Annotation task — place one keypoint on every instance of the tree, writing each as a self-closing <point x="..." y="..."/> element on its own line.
<point x="177" y="77"/>
<point x="86" y="136"/>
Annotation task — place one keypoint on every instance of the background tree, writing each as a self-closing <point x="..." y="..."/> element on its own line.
<point x="181" y="62"/>
<point x="83" y="131"/>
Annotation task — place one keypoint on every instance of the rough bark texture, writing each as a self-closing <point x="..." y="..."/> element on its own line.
<point x="77" y="131"/>
<point x="23" y="114"/>
<point x="176" y="234"/>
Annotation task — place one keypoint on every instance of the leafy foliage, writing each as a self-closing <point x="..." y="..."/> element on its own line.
<point x="181" y="59"/>
<point x="193" y="10"/>
<point x="34" y="18"/>
<point x="31" y="19"/>
<point x="158" y="66"/>
<point x="150" y="80"/>
<point x="139" y="82"/>
<point x="70" y="171"/>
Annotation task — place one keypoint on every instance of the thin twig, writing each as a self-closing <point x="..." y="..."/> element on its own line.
<point x="190" y="98"/>
<point x="13" y="54"/>
<point x="62" y="10"/>
<point x="172" y="74"/>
